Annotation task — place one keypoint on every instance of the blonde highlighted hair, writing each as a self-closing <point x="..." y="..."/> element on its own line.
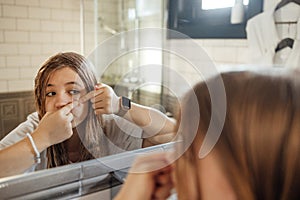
<point x="259" y="146"/>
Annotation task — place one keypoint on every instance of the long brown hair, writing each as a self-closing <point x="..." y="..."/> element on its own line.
<point x="91" y="133"/>
<point x="259" y="146"/>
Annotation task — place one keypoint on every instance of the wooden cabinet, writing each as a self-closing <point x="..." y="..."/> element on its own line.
<point x="14" y="108"/>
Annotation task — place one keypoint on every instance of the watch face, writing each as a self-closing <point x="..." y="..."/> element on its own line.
<point x="126" y="103"/>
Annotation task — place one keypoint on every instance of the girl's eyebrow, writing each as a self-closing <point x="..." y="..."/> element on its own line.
<point x="68" y="83"/>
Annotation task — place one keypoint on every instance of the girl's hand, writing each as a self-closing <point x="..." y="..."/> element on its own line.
<point x="149" y="178"/>
<point x="55" y="127"/>
<point x="104" y="99"/>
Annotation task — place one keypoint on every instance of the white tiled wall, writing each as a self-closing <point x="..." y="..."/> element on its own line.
<point x="33" y="30"/>
<point x="226" y="51"/>
<point x="30" y="32"/>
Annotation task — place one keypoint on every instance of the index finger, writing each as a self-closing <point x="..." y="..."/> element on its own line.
<point x="92" y="94"/>
<point x="67" y="109"/>
<point x="86" y="97"/>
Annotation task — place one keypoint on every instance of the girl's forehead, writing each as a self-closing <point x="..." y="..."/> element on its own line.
<point x="65" y="74"/>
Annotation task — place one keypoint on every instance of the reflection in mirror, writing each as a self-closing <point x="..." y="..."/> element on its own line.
<point x="81" y="124"/>
<point x="77" y="119"/>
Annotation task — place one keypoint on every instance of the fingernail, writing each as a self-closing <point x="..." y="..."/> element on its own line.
<point x="97" y="87"/>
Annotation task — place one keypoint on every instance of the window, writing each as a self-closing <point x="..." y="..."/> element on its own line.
<point x="215" y="4"/>
<point x="209" y="18"/>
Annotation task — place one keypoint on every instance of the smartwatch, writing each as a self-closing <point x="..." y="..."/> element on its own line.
<point x="125" y="105"/>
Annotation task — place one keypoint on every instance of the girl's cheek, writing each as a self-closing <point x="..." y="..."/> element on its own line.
<point x="81" y="108"/>
<point x="76" y="109"/>
<point x="76" y="98"/>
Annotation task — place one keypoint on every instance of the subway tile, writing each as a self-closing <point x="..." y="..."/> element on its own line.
<point x="62" y="37"/>
<point x="17" y="61"/>
<point x="28" y="73"/>
<point x="14" y="11"/>
<point x="224" y="54"/>
<point x="8" y="23"/>
<point x="90" y="28"/>
<point x="20" y="85"/>
<point x="62" y="14"/>
<point x="8" y="74"/>
<point x="38" y="60"/>
<point x="75" y="37"/>
<point x="51" y="49"/>
<point x="71" y="47"/>
<point x="27" y="2"/>
<point x="88" y="17"/>
<point x="29" y="49"/>
<point x="199" y="42"/>
<point x="49" y="26"/>
<point x="71" y="27"/>
<point x="71" y="4"/>
<point x="1" y="36"/>
<point x="8" y="49"/>
<point x="3" y="86"/>
<point x="8" y="2"/>
<point x="89" y="5"/>
<point x="108" y="7"/>
<point x="236" y="42"/>
<point x="243" y="56"/>
<point x="40" y="37"/>
<point x="209" y="52"/>
<point x="2" y="61"/>
<point x="16" y="36"/>
<point x="51" y="4"/>
<point x="213" y="42"/>
<point x="39" y="13"/>
<point x="28" y="24"/>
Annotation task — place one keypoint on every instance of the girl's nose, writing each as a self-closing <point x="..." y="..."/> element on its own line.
<point x="62" y="100"/>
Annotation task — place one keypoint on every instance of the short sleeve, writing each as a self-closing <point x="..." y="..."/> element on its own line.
<point x="20" y="131"/>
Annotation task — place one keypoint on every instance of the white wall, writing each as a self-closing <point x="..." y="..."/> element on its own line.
<point x="33" y="30"/>
<point x="30" y="32"/>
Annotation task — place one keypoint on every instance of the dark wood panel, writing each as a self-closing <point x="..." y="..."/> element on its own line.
<point x="14" y="108"/>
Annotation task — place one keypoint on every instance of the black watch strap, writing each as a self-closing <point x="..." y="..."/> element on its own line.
<point x="125" y="105"/>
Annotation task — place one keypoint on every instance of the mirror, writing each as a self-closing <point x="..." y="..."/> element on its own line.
<point x="121" y="74"/>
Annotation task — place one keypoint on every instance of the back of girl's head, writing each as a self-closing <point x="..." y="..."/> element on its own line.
<point x="259" y="145"/>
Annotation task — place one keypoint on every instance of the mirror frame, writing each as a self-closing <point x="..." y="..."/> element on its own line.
<point x="76" y="179"/>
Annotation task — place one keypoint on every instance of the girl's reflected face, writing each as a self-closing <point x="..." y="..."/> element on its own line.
<point x="64" y="87"/>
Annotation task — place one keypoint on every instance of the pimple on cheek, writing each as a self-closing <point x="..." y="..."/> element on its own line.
<point x="79" y="108"/>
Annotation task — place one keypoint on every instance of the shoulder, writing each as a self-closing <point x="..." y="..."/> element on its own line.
<point x="20" y="131"/>
<point x="33" y="118"/>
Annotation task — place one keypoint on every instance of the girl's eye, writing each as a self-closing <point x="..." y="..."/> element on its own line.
<point x="50" y="94"/>
<point x="74" y="92"/>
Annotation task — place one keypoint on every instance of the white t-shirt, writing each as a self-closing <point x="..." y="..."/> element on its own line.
<point x="124" y="135"/>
